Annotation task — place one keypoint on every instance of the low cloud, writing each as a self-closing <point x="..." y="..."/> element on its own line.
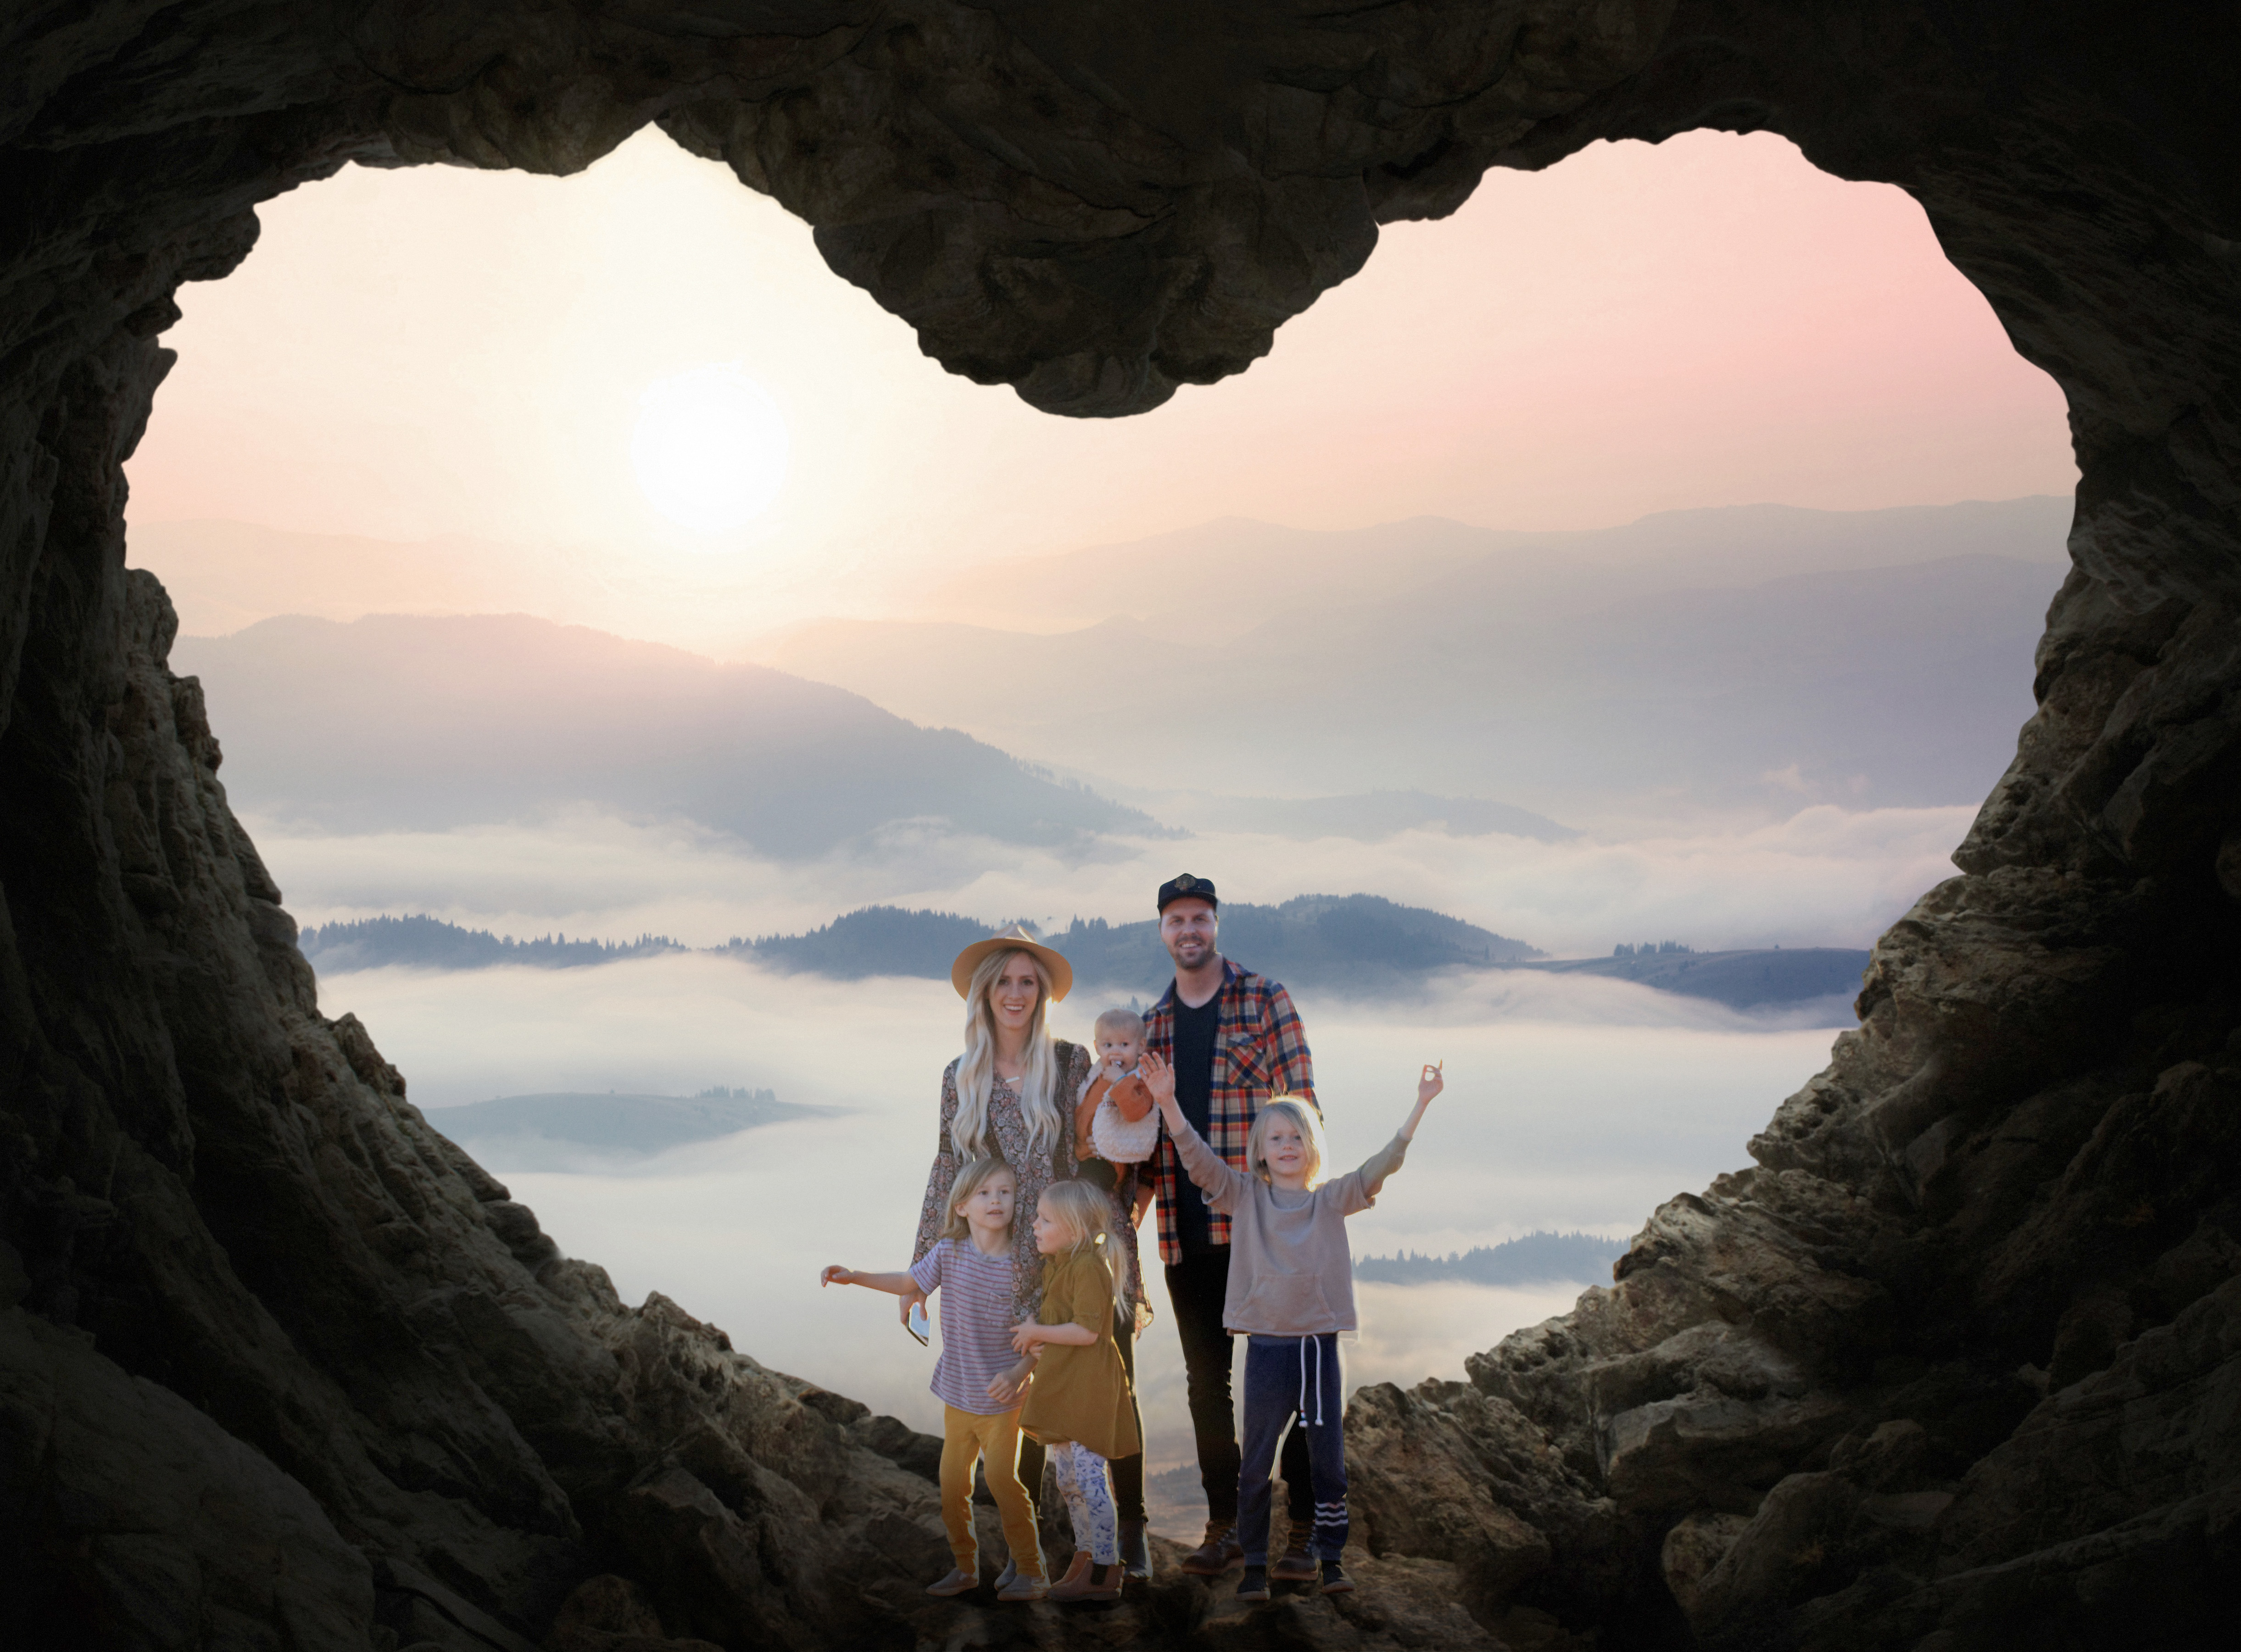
<point x="1821" y="876"/>
<point x="1561" y="1113"/>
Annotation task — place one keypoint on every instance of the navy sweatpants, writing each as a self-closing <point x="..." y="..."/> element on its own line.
<point x="1292" y="1380"/>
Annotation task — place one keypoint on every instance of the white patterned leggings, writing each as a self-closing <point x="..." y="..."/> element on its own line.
<point x="1087" y="1489"/>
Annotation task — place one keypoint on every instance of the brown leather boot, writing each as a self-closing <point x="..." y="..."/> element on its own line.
<point x="1295" y="1565"/>
<point x="1218" y="1553"/>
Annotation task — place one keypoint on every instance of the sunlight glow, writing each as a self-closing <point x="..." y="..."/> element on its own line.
<point x="709" y="448"/>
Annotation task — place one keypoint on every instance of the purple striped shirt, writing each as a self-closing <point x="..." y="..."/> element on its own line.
<point x="976" y="1322"/>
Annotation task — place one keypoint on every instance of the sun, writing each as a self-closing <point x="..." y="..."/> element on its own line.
<point x="709" y="448"/>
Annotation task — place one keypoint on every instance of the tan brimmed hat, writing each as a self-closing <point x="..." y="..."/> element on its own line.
<point x="1014" y="939"/>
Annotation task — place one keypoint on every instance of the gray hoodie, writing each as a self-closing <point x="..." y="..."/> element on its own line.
<point x="1290" y="1271"/>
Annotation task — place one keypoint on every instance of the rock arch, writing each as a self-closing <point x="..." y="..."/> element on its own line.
<point x="1953" y="1362"/>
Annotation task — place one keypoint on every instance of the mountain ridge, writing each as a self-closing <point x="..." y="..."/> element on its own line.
<point x="1863" y="671"/>
<point x="415" y="721"/>
<point x="1258" y="560"/>
<point x="1539" y="1258"/>
<point x="1353" y="945"/>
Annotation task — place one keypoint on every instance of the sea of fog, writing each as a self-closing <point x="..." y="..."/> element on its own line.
<point x="1572" y="1103"/>
<point x="1817" y="876"/>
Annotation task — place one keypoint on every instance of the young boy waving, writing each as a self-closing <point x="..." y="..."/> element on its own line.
<point x="1291" y="1293"/>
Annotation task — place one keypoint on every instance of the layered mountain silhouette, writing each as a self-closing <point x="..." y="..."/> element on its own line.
<point x="396" y="721"/>
<point x="1761" y="652"/>
<point x="1768" y="975"/>
<point x="1350" y="945"/>
<point x="1762" y="655"/>
<point x="430" y="943"/>
<point x="1539" y="1258"/>
<point x="1337" y="943"/>
<point x="1334" y="942"/>
<point x="571" y="1130"/>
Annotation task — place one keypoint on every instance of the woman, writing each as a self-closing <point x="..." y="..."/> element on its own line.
<point x="1012" y="1093"/>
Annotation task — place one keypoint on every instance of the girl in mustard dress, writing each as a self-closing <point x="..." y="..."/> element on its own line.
<point x="1078" y="1403"/>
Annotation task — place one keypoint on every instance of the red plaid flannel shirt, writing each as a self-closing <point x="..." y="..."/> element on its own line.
<point x="1259" y="1048"/>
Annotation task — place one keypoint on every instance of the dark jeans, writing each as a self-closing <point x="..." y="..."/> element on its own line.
<point x="1128" y="1472"/>
<point x="1197" y="1286"/>
<point x="1293" y="1390"/>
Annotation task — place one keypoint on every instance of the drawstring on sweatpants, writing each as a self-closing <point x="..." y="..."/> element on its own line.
<point x="1303" y="1381"/>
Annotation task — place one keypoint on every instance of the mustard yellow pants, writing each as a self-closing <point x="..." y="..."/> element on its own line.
<point x="967" y="1436"/>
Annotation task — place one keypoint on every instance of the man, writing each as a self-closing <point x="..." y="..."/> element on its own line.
<point x="1233" y="1040"/>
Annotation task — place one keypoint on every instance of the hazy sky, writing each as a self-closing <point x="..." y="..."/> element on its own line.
<point x="436" y="352"/>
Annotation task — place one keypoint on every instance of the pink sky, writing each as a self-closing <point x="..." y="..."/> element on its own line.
<point x="430" y="352"/>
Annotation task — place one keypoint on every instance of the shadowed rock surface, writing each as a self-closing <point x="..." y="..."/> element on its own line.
<point x="1953" y="1365"/>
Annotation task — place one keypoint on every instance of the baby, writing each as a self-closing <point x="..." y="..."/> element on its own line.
<point x="1113" y="1117"/>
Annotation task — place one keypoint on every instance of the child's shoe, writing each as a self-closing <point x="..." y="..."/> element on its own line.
<point x="1085" y="1581"/>
<point x="1070" y="1587"/>
<point x="1004" y="1578"/>
<point x="957" y="1582"/>
<point x="1135" y="1552"/>
<point x="1335" y="1581"/>
<point x="1254" y="1586"/>
<point x="1024" y="1587"/>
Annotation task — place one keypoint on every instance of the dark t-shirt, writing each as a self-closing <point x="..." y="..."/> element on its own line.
<point x="1193" y="1056"/>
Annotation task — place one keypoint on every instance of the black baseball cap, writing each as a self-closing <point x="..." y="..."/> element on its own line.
<point x="1183" y="886"/>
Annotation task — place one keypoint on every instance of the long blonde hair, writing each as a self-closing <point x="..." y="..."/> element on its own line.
<point x="969" y="1134"/>
<point x="1086" y="1213"/>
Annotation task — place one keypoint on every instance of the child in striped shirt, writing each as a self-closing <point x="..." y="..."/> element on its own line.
<point x="978" y="1378"/>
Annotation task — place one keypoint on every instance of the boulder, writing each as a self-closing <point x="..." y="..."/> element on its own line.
<point x="129" y="1518"/>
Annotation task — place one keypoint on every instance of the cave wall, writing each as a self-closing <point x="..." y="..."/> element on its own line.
<point x="278" y="1365"/>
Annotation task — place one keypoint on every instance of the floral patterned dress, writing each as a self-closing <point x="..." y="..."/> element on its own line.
<point x="1034" y="1171"/>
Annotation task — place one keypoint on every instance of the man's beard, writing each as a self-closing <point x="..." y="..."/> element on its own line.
<point x="1191" y="953"/>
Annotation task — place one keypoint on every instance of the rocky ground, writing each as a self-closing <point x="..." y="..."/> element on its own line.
<point x="1953" y="1364"/>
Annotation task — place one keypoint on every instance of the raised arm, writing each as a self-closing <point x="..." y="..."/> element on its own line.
<point x="1429" y="1083"/>
<point x="892" y="1284"/>
<point x="1369" y="1180"/>
<point x="1222" y="1183"/>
